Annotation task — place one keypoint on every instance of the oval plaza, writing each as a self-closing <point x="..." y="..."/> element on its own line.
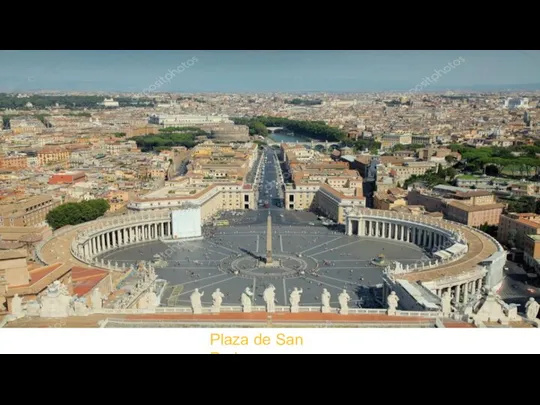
<point x="460" y="260"/>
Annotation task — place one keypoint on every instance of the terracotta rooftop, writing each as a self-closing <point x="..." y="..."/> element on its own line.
<point x="480" y="248"/>
<point x="85" y="279"/>
<point x="42" y="272"/>
<point x="13" y="254"/>
<point x="476" y="208"/>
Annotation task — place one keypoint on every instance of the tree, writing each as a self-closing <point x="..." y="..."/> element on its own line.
<point x="489" y="229"/>
<point x="450" y="173"/>
<point x="77" y="213"/>
<point x="492" y="170"/>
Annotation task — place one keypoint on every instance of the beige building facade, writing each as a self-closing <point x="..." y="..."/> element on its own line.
<point x="27" y="212"/>
<point x="515" y="228"/>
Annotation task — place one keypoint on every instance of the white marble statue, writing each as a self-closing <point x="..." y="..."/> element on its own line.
<point x="398" y="267"/>
<point x="153" y="300"/>
<point x="325" y="301"/>
<point x="141" y="266"/>
<point x="217" y="300"/>
<point x="247" y="300"/>
<point x="269" y="296"/>
<point x="97" y="299"/>
<point x="532" y="307"/>
<point x="79" y="308"/>
<point x="344" y="299"/>
<point x="393" y="302"/>
<point x="294" y="299"/>
<point x="63" y="289"/>
<point x="446" y="303"/>
<point x="17" y="309"/>
<point x="33" y="308"/>
<point x="56" y="303"/>
<point x="149" y="301"/>
<point x="196" y="303"/>
<point x="152" y="272"/>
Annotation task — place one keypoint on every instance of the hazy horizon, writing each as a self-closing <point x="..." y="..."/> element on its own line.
<point x="268" y="71"/>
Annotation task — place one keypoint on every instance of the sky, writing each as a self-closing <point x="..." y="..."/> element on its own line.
<point x="264" y="71"/>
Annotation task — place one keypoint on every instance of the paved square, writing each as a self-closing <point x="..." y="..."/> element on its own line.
<point x="333" y="261"/>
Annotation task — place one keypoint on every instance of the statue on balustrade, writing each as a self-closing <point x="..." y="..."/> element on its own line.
<point x="79" y="308"/>
<point x="325" y="301"/>
<point x="532" y="307"/>
<point x="393" y="302"/>
<point x="446" y="303"/>
<point x="398" y="267"/>
<point x="269" y="297"/>
<point x="247" y="299"/>
<point x="196" y="303"/>
<point x="344" y="299"/>
<point x="17" y="309"/>
<point x="141" y="267"/>
<point x="57" y="302"/>
<point x="294" y="299"/>
<point x="217" y="300"/>
<point x="97" y="299"/>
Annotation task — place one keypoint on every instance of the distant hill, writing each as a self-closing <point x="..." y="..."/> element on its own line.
<point x="494" y="87"/>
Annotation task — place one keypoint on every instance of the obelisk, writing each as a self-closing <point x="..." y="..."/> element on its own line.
<point x="269" y="240"/>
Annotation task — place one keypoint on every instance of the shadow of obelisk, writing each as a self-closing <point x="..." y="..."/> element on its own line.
<point x="269" y="239"/>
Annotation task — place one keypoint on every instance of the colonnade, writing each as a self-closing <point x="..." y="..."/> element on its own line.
<point x="422" y="235"/>
<point x="432" y="236"/>
<point x="115" y="238"/>
<point x="110" y="235"/>
<point x="462" y="292"/>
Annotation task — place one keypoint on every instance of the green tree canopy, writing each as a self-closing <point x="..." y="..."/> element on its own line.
<point x="77" y="213"/>
<point x="318" y="130"/>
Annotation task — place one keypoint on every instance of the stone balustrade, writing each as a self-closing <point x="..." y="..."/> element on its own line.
<point x="278" y="309"/>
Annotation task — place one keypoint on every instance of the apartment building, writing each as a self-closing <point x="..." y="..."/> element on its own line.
<point x="26" y="212"/>
<point x="531" y="251"/>
<point x="119" y="148"/>
<point x="425" y="140"/>
<point x="437" y="154"/>
<point x="228" y="132"/>
<point x="52" y="154"/>
<point x="390" y="199"/>
<point x="117" y="199"/>
<point x="515" y="228"/>
<point x="409" y="169"/>
<point x="222" y="162"/>
<point x="469" y="207"/>
<point x="20" y="125"/>
<point x="67" y="178"/>
<point x="388" y="141"/>
<point x="215" y="181"/>
<point x="14" y="162"/>
<point x="525" y="189"/>
<point x="210" y="198"/>
<point x="180" y="120"/>
<point x="320" y="184"/>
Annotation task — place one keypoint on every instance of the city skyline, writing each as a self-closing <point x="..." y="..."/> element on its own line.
<point x="267" y="71"/>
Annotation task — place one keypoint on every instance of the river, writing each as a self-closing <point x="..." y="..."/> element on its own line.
<point x="288" y="137"/>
